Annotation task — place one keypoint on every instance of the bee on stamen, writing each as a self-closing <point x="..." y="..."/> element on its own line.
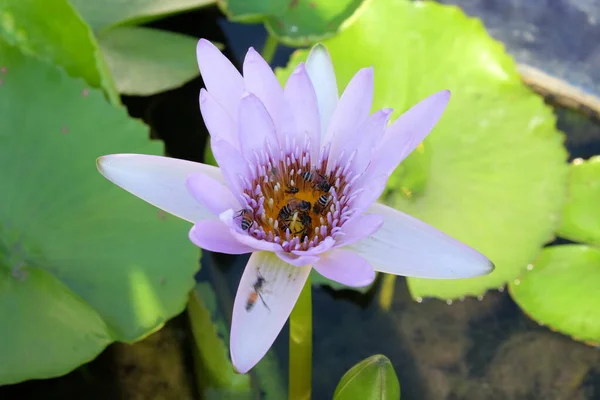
<point x="319" y="182"/>
<point x="292" y="189"/>
<point x="293" y="217"/>
<point x="322" y="203"/>
<point x="247" y="218"/>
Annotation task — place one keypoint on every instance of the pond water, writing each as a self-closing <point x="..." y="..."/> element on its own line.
<point x="473" y="349"/>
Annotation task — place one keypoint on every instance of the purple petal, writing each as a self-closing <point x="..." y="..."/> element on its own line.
<point x="218" y="122"/>
<point x="160" y="181"/>
<point x="256" y="324"/>
<point x="365" y="139"/>
<point x="232" y="164"/>
<point x="261" y="81"/>
<point x="372" y="189"/>
<point x="359" y="228"/>
<point x="220" y="77"/>
<point x="351" y="112"/>
<point x="227" y="217"/>
<point x="255" y="126"/>
<point x="322" y="76"/>
<point x="406" y="246"/>
<point x="214" y="235"/>
<point x="211" y="193"/>
<point x="296" y="260"/>
<point x="345" y="267"/>
<point x="322" y="247"/>
<point x="300" y="95"/>
<point x="405" y="134"/>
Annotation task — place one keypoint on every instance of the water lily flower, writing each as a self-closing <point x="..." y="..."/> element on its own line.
<point x="300" y="172"/>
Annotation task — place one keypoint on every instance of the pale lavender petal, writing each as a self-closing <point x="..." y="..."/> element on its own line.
<point x="296" y="260"/>
<point x="300" y="95"/>
<point x="322" y="76"/>
<point x="256" y="324"/>
<point x="218" y="122"/>
<point x="406" y="246"/>
<point x="358" y="228"/>
<point x="255" y="126"/>
<point x="405" y="134"/>
<point x="352" y="110"/>
<point x="233" y="166"/>
<point x="220" y="77"/>
<point x="211" y="193"/>
<point x="372" y="188"/>
<point x="369" y="134"/>
<point x="345" y="267"/>
<point x="261" y="81"/>
<point x="322" y="247"/>
<point x="160" y="181"/>
<point x="228" y="218"/>
<point x="214" y="235"/>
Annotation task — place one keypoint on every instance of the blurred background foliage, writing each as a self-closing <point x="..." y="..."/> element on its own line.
<point x="84" y="264"/>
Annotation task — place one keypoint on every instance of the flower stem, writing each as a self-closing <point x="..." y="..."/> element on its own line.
<point x="300" y="378"/>
<point x="269" y="48"/>
<point x="387" y="291"/>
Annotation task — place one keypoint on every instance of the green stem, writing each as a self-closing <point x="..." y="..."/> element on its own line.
<point x="300" y="378"/>
<point x="387" y="291"/>
<point x="269" y="48"/>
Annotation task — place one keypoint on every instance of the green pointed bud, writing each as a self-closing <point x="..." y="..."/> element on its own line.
<point x="373" y="378"/>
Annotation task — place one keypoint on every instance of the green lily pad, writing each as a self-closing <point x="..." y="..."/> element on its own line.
<point x="145" y="61"/>
<point x="496" y="176"/>
<point x="210" y="337"/>
<point x="52" y="30"/>
<point x="581" y="214"/>
<point x="561" y="291"/>
<point x="82" y="262"/>
<point x="296" y="22"/>
<point x="107" y="13"/>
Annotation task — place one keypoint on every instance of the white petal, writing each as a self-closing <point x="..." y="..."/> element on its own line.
<point x="212" y="193"/>
<point x="406" y="246"/>
<point x="322" y="76"/>
<point x="160" y="181"/>
<point x="254" y="328"/>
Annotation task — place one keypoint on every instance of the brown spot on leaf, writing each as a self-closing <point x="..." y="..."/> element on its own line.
<point x="294" y="3"/>
<point x="64" y="130"/>
<point x="162" y="215"/>
<point x="3" y="70"/>
<point x="312" y="4"/>
<point x="85" y="92"/>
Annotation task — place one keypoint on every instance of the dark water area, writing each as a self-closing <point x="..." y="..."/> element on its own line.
<point x="473" y="349"/>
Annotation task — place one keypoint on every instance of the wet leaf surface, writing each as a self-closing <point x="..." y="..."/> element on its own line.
<point x="561" y="291"/>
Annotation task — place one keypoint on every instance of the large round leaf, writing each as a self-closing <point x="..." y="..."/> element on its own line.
<point x="296" y="22"/>
<point x="581" y="214"/>
<point x="495" y="177"/>
<point x="561" y="291"/>
<point x="82" y="262"/>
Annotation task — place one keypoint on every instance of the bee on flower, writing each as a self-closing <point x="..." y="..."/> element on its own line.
<point x="301" y="145"/>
